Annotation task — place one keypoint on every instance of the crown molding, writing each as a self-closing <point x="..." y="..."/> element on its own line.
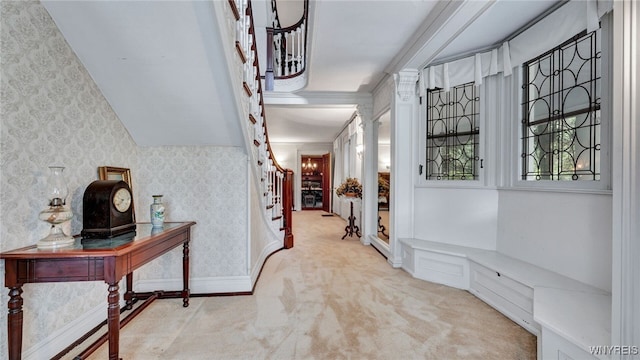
<point x="445" y="22"/>
<point x="318" y="98"/>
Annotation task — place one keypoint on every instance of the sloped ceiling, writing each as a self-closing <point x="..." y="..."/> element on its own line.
<point x="159" y="65"/>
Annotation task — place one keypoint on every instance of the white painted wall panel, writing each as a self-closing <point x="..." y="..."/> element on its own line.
<point x="467" y="217"/>
<point x="566" y="233"/>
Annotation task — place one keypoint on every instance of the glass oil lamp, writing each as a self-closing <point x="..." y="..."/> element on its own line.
<point x="57" y="213"/>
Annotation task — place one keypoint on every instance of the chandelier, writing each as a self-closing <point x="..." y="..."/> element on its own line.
<point x="309" y="165"/>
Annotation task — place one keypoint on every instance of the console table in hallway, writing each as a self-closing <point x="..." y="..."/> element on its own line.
<point x="108" y="260"/>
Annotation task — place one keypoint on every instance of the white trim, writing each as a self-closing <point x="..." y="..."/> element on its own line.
<point x="483" y="149"/>
<point x="404" y="118"/>
<point x="333" y="99"/>
<point x="372" y="150"/>
<point x="625" y="315"/>
<point x="297" y="176"/>
<point x="603" y="186"/>
<point x="249" y="238"/>
<point x="207" y="285"/>
<point x="268" y="250"/>
<point x="369" y="213"/>
<point x="380" y="245"/>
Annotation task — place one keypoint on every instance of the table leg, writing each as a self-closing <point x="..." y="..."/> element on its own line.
<point x="14" y="322"/>
<point x="349" y="229"/>
<point x="185" y="274"/>
<point x="129" y="294"/>
<point x="113" y="320"/>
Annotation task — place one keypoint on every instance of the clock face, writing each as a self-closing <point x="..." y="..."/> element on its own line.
<point x="122" y="200"/>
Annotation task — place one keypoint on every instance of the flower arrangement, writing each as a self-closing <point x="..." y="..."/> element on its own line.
<point x="350" y="187"/>
<point x="383" y="185"/>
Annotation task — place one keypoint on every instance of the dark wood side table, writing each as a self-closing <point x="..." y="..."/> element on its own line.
<point x="98" y="259"/>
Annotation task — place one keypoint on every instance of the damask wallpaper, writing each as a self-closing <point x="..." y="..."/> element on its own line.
<point x="207" y="185"/>
<point x="54" y="114"/>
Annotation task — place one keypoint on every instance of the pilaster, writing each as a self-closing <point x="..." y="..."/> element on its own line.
<point x="625" y="292"/>
<point x="369" y="173"/>
<point x="404" y="115"/>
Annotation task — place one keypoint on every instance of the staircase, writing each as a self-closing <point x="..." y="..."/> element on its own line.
<point x="275" y="184"/>
<point x="286" y="53"/>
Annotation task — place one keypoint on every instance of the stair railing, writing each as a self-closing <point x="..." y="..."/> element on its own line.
<point x="286" y="50"/>
<point x="276" y="183"/>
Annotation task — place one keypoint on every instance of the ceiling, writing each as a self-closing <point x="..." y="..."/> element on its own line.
<point x="355" y="44"/>
<point x="160" y="63"/>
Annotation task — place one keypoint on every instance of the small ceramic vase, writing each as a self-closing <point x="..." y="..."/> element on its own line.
<point x="157" y="211"/>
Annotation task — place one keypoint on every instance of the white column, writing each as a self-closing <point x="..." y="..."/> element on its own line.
<point x="625" y="312"/>
<point x="369" y="173"/>
<point x="337" y="174"/>
<point x="404" y="115"/>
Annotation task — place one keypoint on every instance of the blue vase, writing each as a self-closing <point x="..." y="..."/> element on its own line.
<point x="157" y="211"/>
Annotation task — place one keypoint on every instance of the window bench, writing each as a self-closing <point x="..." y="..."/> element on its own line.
<point x="567" y="316"/>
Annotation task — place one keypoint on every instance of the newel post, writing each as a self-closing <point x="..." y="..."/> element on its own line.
<point x="287" y="206"/>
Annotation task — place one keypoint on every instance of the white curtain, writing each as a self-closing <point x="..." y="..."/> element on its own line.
<point x="561" y="25"/>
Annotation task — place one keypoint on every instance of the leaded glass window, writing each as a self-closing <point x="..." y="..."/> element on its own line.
<point x="453" y="133"/>
<point x="561" y="112"/>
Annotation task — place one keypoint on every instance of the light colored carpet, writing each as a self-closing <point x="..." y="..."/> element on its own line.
<point x="327" y="298"/>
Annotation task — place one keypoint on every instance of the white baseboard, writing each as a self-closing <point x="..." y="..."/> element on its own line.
<point x="221" y="284"/>
<point x="268" y="250"/>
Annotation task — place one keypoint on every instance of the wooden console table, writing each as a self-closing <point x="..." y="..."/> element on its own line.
<point x="98" y="259"/>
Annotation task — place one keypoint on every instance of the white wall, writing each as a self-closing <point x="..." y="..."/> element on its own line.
<point x="467" y="217"/>
<point x="384" y="157"/>
<point x="348" y="163"/>
<point x="564" y="232"/>
<point x="262" y="239"/>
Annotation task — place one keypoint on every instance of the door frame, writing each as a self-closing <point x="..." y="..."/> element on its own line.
<point x="297" y="176"/>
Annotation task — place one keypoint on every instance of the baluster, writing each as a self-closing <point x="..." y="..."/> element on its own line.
<point x="278" y="55"/>
<point x="256" y="80"/>
<point x="255" y="132"/>
<point x="303" y="48"/>
<point x="270" y="190"/>
<point x="281" y="53"/>
<point x="247" y="26"/>
<point x="287" y="65"/>
<point x="272" y="181"/>
<point x="275" y="54"/>
<point x="282" y="188"/>
<point x="265" y="183"/>
<point x="239" y="28"/>
<point x="294" y="50"/>
<point x="299" y="56"/>
<point x="279" y="185"/>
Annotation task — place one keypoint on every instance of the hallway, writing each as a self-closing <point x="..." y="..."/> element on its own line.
<point x="327" y="298"/>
